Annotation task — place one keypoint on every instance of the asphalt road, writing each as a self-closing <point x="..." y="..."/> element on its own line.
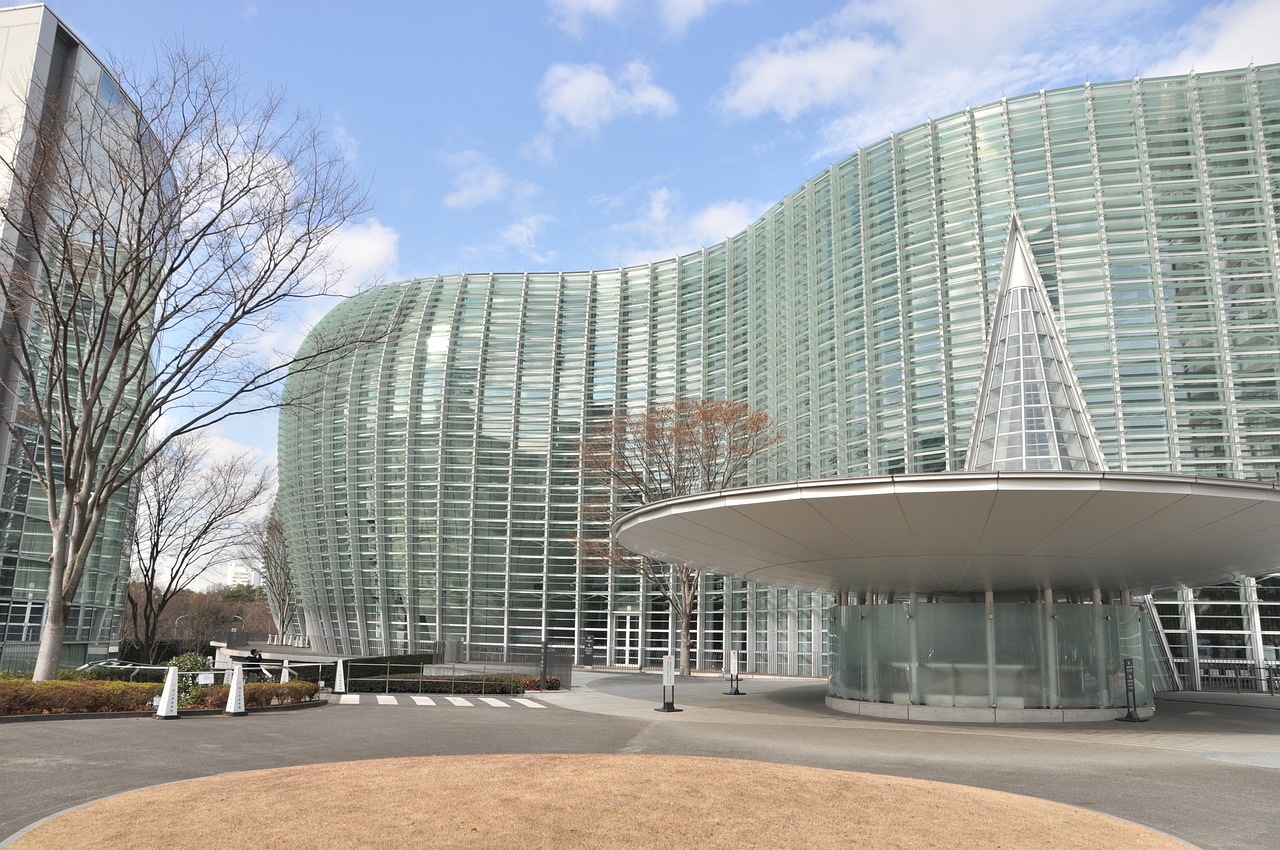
<point x="1204" y="771"/>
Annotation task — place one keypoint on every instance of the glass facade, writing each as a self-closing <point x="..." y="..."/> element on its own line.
<point x="96" y="616"/>
<point x="1010" y="655"/>
<point x="430" y="482"/>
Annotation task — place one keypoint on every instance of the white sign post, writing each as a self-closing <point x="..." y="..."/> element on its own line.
<point x="668" y="684"/>
<point x="731" y="668"/>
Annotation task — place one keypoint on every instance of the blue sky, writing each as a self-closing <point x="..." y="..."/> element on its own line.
<point x="578" y="134"/>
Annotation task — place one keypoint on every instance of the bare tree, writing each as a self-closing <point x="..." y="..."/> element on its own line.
<point x="267" y="551"/>
<point x="193" y="512"/>
<point x="193" y="618"/>
<point x="155" y="249"/>
<point x="690" y="446"/>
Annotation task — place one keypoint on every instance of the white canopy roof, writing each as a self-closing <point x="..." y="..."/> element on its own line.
<point x="971" y="532"/>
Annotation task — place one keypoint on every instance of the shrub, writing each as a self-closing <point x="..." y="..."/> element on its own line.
<point x="57" y="697"/>
<point x="60" y="697"/>
<point x="256" y="694"/>
<point x="188" y="662"/>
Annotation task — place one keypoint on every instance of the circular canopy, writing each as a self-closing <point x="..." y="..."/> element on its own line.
<point x="972" y="532"/>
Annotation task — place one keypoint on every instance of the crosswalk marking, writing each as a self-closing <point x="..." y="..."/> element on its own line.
<point x="424" y="701"/>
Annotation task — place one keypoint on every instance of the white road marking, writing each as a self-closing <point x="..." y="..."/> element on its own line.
<point x="423" y="700"/>
<point x="459" y="701"/>
<point x="496" y="703"/>
<point x="528" y="703"/>
<point x="387" y="699"/>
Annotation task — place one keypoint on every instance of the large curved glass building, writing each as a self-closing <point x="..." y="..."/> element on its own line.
<point x="430" y="483"/>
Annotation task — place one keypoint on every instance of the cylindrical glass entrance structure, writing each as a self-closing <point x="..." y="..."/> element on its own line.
<point x="1001" y="655"/>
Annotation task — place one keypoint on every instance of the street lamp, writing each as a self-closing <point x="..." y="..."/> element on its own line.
<point x="238" y="617"/>
<point x="175" y="624"/>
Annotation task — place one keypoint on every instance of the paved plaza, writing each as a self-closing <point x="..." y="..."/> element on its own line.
<point x="1206" y="769"/>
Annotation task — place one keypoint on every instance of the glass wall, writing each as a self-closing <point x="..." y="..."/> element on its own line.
<point x="431" y="489"/>
<point x="1003" y="655"/>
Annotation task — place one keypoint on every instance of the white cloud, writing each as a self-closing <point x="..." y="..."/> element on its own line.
<point x="346" y="143"/>
<point x="877" y="66"/>
<point x="1227" y="35"/>
<point x="517" y="242"/>
<point x="794" y="77"/>
<point x="585" y="98"/>
<point x="541" y="149"/>
<point x="476" y="180"/>
<point x="522" y="236"/>
<point x="678" y="15"/>
<point x="662" y="229"/>
<point x="571" y="15"/>
<point x="367" y="252"/>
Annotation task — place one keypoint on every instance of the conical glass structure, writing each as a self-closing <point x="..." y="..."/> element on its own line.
<point x="1031" y="413"/>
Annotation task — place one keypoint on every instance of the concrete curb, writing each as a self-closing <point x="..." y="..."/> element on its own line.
<point x="191" y="712"/>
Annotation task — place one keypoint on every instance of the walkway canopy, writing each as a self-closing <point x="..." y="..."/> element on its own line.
<point x="972" y="532"/>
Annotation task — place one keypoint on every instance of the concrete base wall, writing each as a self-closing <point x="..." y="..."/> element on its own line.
<point x="950" y="714"/>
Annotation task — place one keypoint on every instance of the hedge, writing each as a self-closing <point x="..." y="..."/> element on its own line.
<point x="256" y="694"/>
<point x="24" y="697"/>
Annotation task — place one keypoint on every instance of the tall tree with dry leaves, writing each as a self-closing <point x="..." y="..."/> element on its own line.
<point x="689" y="446"/>
<point x="153" y="250"/>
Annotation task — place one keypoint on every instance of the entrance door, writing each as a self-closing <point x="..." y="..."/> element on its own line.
<point x="626" y="640"/>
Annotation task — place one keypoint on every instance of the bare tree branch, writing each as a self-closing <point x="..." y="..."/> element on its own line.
<point x="155" y="250"/>
<point x="266" y="550"/>
<point x="193" y="513"/>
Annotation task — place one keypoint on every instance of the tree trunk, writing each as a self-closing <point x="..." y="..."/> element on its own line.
<point x="52" y="635"/>
<point x="684" y="645"/>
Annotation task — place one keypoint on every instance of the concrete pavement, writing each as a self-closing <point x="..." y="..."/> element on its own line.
<point x="1206" y="770"/>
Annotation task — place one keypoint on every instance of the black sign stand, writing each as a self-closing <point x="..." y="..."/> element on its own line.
<point x="1131" y="695"/>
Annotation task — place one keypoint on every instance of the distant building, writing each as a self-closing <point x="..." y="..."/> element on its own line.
<point x="430" y="487"/>
<point x="239" y="573"/>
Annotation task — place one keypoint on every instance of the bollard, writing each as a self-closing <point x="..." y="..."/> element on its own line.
<point x="340" y="680"/>
<point x="168" y="708"/>
<point x="235" y="697"/>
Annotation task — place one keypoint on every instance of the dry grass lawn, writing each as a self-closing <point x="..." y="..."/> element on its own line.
<point x="577" y="801"/>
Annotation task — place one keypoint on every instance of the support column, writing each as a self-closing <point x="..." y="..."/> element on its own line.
<point x="1187" y="597"/>
<point x="992" y="687"/>
<point x="1254" y="619"/>
<point x="869" y="637"/>
<point x="1050" y="649"/>
<point x="1102" y="649"/>
<point x="913" y="647"/>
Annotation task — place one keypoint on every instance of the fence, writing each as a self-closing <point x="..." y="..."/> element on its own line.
<point x="519" y="658"/>
<point x="1241" y="677"/>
